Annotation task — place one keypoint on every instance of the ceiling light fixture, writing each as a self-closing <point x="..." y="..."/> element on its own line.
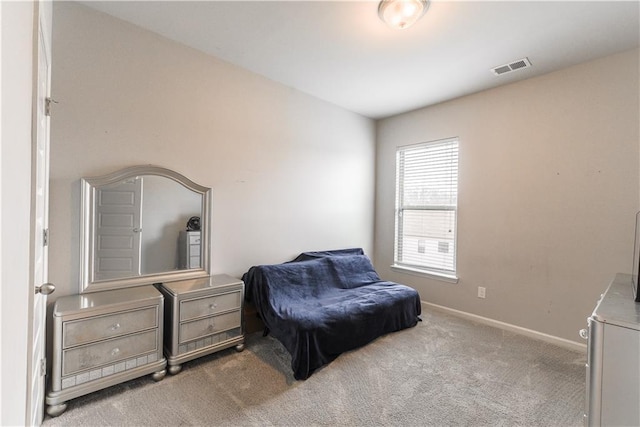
<point x="401" y="14"/>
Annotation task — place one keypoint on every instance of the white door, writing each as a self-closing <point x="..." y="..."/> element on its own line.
<point x="39" y="219"/>
<point x="118" y="230"/>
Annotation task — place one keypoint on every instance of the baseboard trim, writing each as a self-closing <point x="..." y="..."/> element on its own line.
<point x="561" y="342"/>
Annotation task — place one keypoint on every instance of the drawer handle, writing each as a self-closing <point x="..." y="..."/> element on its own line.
<point x="211" y="327"/>
<point x="213" y="306"/>
<point x="584" y="334"/>
<point x="115" y="351"/>
<point x="115" y="326"/>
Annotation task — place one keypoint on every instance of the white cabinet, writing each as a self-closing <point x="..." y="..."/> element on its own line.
<point x="202" y="316"/>
<point x="613" y="359"/>
<point x="189" y="250"/>
<point x="104" y="338"/>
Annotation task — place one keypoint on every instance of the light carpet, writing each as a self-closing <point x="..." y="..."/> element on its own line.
<point x="446" y="371"/>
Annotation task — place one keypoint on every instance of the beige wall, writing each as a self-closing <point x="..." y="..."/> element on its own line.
<point x="548" y="189"/>
<point x="289" y="173"/>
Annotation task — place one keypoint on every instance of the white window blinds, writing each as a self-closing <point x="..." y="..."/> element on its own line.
<point x="426" y="206"/>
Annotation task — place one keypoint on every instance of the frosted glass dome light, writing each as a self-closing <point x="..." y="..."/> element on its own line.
<point x="401" y="14"/>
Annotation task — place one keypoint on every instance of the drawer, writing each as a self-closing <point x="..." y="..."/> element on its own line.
<point x="114" y="325"/>
<point x="194" y="239"/>
<point x="208" y="326"/>
<point x="110" y="351"/>
<point x="206" y="306"/>
<point x="194" y="250"/>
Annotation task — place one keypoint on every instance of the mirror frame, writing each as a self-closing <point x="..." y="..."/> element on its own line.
<point x="89" y="185"/>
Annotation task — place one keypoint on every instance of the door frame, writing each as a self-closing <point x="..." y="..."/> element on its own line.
<point x="18" y="19"/>
<point x="37" y="330"/>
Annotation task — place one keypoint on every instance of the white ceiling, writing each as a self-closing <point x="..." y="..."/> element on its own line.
<point x="341" y="52"/>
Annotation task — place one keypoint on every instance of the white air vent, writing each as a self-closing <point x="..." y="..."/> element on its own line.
<point x="513" y="66"/>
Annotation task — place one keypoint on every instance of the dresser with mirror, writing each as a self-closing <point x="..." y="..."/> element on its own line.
<point x="139" y="225"/>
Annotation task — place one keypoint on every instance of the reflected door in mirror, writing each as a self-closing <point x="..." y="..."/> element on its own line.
<point x="117" y="230"/>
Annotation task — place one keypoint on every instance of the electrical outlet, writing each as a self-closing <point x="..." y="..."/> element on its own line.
<point x="481" y="292"/>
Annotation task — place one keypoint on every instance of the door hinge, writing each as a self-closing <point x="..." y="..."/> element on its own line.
<point x="45" y="237"/>
<point x="47" y="105"/>
<point x="43" y="366"/>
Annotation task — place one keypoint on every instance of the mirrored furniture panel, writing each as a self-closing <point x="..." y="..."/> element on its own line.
<point x="202" y="316"/>
<point x="104" y="338"/>
<point x="189" y="249"/>
<point x="137" y="228"/>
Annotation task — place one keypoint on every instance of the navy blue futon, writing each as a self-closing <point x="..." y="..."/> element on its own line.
<point x="322" y="304"/>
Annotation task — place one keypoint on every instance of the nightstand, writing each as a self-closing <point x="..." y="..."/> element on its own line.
<point x="202" y="316"/>
<point x="104" y="338"/>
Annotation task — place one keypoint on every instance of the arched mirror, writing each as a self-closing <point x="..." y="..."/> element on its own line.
<point x="142" y="225"/>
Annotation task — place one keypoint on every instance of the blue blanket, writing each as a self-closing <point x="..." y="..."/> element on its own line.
<point x="325" y="303"/>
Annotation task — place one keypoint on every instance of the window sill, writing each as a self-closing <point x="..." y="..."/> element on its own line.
<point x="424" y="273"/>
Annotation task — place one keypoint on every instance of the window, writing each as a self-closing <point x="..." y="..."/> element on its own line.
<point x="426" y="207"/>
